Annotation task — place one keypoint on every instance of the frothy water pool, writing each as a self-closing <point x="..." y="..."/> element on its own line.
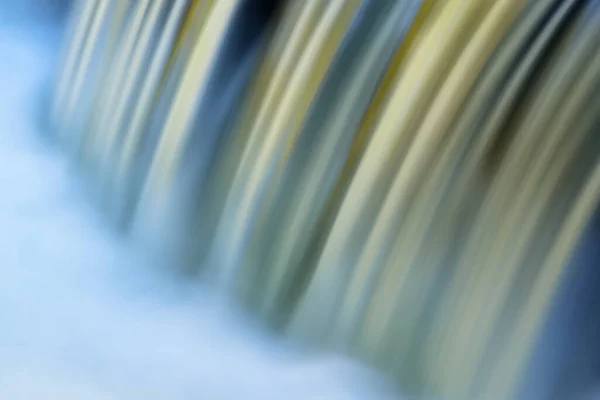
<point x="83" y="316"/>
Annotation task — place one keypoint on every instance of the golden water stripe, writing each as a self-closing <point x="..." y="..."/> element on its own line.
<point x="277" y="61"/>
<point x="180" y="114"/>
<point x="311" y="189"/>
<point x="334" y="21"/>
<point x="437" y="47"/>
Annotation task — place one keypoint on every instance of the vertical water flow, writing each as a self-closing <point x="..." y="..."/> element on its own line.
<point x="85" y="316"/>
<point x="402" y="181"/>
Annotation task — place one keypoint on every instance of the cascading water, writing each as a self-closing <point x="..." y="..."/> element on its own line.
<point x="412" y="183"/>
<point x="83" y="315"/>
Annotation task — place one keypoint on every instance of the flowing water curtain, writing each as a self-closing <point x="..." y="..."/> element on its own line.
<point x="515" y="221"/>
<point x="484" y="118"/>
<point x="254" y="267"/>
<point x="120" y="178"/>
<point x="211" y="84"/>
<point x="406" y="113"/>
<point x="261" y="169"/>
<point x="539" y="24"/>
<point x="567" y="193"/>
<point x="266" y="88"/>
<point x="289" y="40"/>
<point x="171" y="56"/>
<point x="116" y="70"/>
<point x="88" y="57"/>
<point x="317" y="164"/>
<point x="173" y="133"/>
<point x="416" y="87"/>
<point x="403" y="181"/>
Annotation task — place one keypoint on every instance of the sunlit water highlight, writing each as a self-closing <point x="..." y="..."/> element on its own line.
<point x="83" y="316"/>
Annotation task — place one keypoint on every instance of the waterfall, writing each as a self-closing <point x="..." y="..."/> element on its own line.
<point x="404" y="182"/>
